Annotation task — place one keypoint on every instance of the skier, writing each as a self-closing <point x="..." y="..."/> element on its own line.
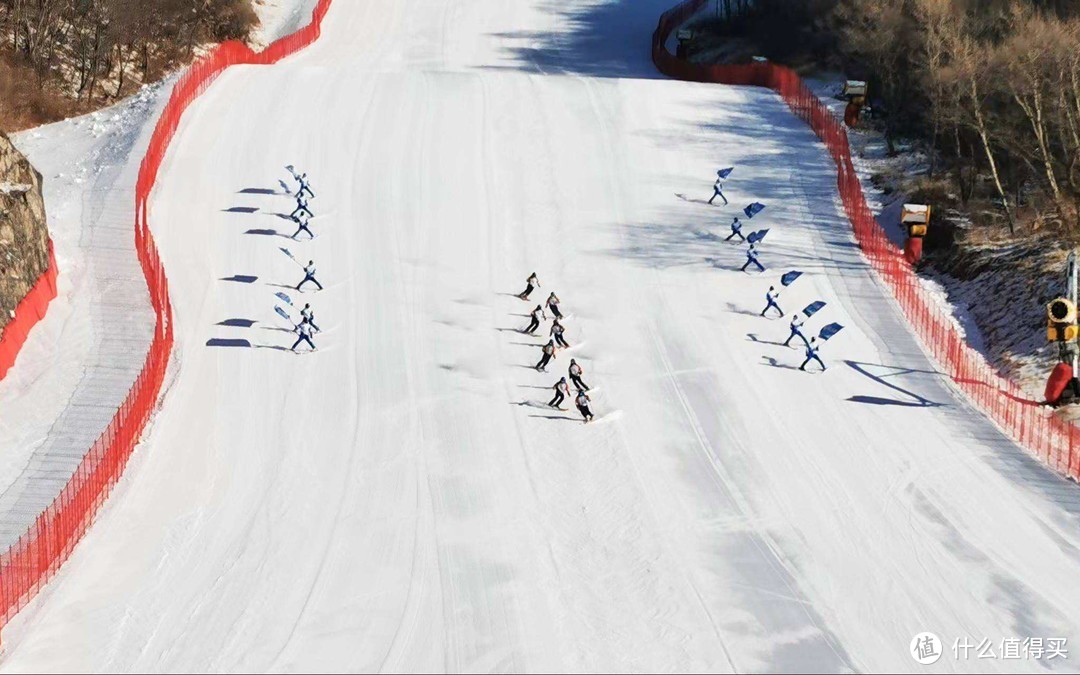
<point x="812" y="355"/>
<point x="736" y="230"/>
<point x="305" y="336"/>
<point x="307" y="315"/>
<point x="537" y="314"/>
<point x="304" y="186"/>
<point x="751" y="259"/>
<point x="796" y="329"/>
<point x="309" y="275"/>
<point x="553" y="305"/>
<point x="302" y="226"/>
<point x="718" y="191"/>
<point x="530" y="283"/>
<point x="575" y="376"/>
<point x="582" y="403"/>
<point x="771" y="296"/>
<point x="549" y="353"/>
<point x="301" y="207"/>
<point x="557" y="333"/>
<point x="562" y="390"/>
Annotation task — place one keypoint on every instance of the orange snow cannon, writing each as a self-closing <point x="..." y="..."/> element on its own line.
<point x="916" y="219"/>
<point x="855" y="93"/>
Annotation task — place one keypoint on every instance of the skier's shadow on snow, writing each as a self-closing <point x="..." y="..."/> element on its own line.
<point x="695" y="200"/>
<point x="228" y="342"/>
<point x="752" y="337"/>
<point x="237" y="323"/>
<point x="917" y="400"/>
<point x="242" y="344"/>
<point x="554" y="417"/>
<point x="241" y="278"/>
<point x="241" y="209"/>
<point x="261" y="191"/>
<point x="739" y="310"/>
<point x="770" y="361"/>
<point x="267" y="233"/>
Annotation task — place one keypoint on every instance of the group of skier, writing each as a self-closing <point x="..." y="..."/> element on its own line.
<point x="736" y="224"/>
<point x="772" y="296"/>
<point x="302" y="215"/>
<point x="556" y="341"/>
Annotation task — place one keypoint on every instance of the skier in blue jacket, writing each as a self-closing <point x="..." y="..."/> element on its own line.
<point x="812" y="355"/>
<point x="736" y="230"/>
<point x="751" y="259"/>
<point x="771" y="296"/>
<point x="796" y="330"/>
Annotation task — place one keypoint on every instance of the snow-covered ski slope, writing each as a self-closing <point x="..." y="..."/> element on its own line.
<point x="400" y="500"/>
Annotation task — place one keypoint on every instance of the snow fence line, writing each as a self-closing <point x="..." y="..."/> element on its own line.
<point x="1033" y="426"/>
<point x="30" y="310"/>
<point x="29" y="563"/>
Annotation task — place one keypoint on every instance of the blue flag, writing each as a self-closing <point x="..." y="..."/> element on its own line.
<point x="755" y="237"/>
<point x="753" y="209"/>
<point x="724" y="173"/>
<point x="790" y="277"/>
<point x="813" y="308"/>
<point x="830" y="330"/>
<point x="282" y="313"/>
<point x="284" y="298"/>
<point x="288" y="253"/>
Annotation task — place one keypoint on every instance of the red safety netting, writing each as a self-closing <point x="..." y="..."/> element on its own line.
<point x="1032" y="425"/>
<point x="49" y="541"/>
<point x="28" y="312"/>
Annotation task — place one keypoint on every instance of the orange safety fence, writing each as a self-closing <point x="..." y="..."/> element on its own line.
<point x="1034" y="426"/>
<point x="48" y="542"/>
<point x="28" y="312"/>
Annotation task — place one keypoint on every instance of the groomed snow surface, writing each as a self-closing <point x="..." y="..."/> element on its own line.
<point x="401" y="500"/>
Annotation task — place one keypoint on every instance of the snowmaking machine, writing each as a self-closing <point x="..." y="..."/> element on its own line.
<point x="916" y="219"/>
<point x="685" y="36"/>
<point x="855" y="93"/>
<point x="1061" y="328"/>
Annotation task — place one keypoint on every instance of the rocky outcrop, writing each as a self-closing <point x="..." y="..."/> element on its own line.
<point x="24" y="237"/>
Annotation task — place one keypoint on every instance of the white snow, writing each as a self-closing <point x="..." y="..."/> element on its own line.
<point x="401" y="500"/>
<point x="80" y="361"/>
<point x="278" y="18"/>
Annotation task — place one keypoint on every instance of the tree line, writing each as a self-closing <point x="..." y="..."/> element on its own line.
<point x="103" y="49"/>
<point x="992" y="86"/>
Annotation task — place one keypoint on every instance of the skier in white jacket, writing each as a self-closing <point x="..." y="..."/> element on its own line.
<point x="309" y="275"/>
